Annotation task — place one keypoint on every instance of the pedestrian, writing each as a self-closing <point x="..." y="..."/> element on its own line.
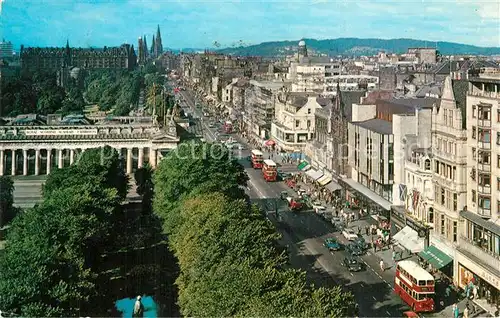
<point x="393" y="255"/>
<point x="456" y="311"/>
<point x="359" y="230"/>
<point x="382" y="265"/>
<point x="466" y="312"/>
<point x="367" y="229"/>
<point x="474" y="292"/>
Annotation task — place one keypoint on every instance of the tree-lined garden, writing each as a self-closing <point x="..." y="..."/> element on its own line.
<point x="228" y="253"/>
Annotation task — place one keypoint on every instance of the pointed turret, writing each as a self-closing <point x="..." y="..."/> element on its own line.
<point x="67" y="53"/>
<point x="158" y="44"/>
<point x="153" y="47"/>
<point x="145" y="48"/>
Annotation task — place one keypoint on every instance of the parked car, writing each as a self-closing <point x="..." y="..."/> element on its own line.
<point x="211" y="125"/>
<point x="332" y="244"/>
<point x="352" y="264"/>
<point x="349" y="234"/>
<point x="354" y="249"/>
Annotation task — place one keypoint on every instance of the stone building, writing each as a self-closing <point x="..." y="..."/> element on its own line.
<point x="478" y="236"/>
<point x="34" y="144"/>
<point x="449" y="164"/>
<point x="294" y="123"/>
<point x="53" y="59"/>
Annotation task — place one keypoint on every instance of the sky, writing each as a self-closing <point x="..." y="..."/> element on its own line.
<point x="200" y="24"/>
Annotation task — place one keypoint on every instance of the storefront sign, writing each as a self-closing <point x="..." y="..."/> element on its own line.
<point x="422" y="232"/>
<point x="60" y="132"/>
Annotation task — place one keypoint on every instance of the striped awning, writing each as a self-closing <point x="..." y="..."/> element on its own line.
<point x="324" y="180"/>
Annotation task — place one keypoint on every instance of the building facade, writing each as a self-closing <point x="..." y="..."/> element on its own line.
<point x="54" y="59"/>
<point x="478" y="253"/>
<point x="34" y="145"/>
<point x="449" y="140"/>
<point x="6" y="49"/>
<point x="294" y="121"/>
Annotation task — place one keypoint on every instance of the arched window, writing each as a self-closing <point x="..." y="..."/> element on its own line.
<point x="427" y="164"/>
<point x="430" y="216"/>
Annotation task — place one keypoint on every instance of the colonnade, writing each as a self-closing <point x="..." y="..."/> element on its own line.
<point x="61" y="155"/>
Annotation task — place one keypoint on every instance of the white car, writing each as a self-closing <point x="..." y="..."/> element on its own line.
<point x="349" y="234"/>
<point x="318" y="208"/>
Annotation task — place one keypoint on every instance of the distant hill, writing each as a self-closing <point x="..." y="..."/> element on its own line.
<point x="356" y="47"/>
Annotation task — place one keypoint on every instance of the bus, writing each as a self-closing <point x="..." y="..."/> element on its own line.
<point x="257" y="159"/>
<point x="415" y="286"/>
<point x="269" y="170"/>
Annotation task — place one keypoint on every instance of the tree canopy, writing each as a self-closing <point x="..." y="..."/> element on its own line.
<point x="6" y="199"/>
<point x="230" y="261"/>
<point x="50" y="260"/>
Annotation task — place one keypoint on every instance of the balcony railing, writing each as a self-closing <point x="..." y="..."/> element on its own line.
<point x="471" y="247"/>
<point x="484" y="189"/>
<point x="484" y="167"/>
<point x="485" y="123"/>
<point x="483" y="145"/>
<point x="484" y="94"/>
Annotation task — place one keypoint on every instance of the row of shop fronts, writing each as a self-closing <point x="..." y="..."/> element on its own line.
<point x="452" y="263"/>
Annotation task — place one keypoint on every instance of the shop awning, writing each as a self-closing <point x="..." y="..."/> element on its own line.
<point x="333" y="186"/>
<point x="314" y="174"/>
<point x="324" y="180"/>
<point x="409" y="239"/>
<point x="437" y="258"/>
<point x="302" y="165"/>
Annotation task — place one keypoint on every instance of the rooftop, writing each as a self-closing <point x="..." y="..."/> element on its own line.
<point x="377" y="125"/>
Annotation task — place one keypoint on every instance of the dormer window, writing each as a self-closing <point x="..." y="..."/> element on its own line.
<point x="427" y="164"/>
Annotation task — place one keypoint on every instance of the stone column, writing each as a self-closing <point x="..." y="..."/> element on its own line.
<point x="49" y="160"/>
<point x="25" y="162"/>
<point x="37" y="162"/>
<point x="71" y="156"/>
<point x="141" y="157"/>
<point x="60" y="162"/>
<point x="152" y="157"/>
<point x="129" y="160"/>
<point x="13" y="163"/>
<point x="1" y="162"/>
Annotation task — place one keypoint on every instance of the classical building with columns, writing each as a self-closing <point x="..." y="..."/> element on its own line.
<point x="34" y="145"/>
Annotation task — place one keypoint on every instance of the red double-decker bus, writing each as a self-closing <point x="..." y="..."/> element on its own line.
<point x="269" y="170"/>
<point x="257" y="159"/>
<point x="415" y="286"/>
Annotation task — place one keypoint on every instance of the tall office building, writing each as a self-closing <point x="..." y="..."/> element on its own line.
<point x="6" y="49"/>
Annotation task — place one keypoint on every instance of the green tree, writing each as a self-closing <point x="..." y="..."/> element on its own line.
<point x="189" y="166"/>
<point x="6" y="199"/>
<point x="53" y="251"/>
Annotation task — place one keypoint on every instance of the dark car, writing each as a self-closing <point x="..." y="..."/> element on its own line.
<point x="352" y="264"/>
<point x="354" y="249"/>
<point x="361" y="243"/>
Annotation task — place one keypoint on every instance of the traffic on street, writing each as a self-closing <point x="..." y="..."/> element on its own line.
<point x="328" y="252"/>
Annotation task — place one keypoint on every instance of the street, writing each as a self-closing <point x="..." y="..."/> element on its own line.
<point x="304" y="234"/>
